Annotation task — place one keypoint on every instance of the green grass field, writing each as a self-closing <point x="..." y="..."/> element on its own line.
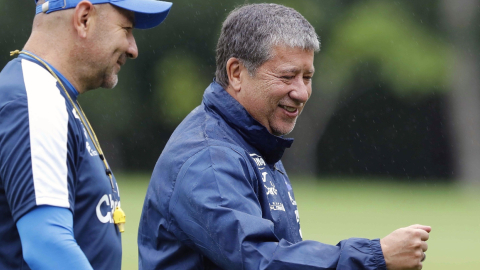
<point x="335" y="209"/>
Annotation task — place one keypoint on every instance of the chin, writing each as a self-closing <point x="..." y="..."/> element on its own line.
<point x="110" y="82"/>
<point x="282" y="131"/>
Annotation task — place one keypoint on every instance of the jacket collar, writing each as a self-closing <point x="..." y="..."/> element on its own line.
<point x="271" y="147"/>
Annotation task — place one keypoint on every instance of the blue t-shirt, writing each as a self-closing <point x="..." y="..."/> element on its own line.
<point x="47" y="158"/>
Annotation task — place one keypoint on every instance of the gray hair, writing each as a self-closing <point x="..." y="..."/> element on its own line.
<point x="250" y="32"/>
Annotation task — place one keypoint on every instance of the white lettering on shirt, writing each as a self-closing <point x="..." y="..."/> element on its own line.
<point x="108" y="217"/>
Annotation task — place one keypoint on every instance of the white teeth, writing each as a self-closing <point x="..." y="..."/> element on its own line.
<point x="290" y="109"/>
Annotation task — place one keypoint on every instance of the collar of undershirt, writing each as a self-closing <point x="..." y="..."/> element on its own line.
<point x="70" y="88"/>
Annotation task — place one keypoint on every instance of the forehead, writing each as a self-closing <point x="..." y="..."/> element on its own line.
<point x="291" y="59"/>
<point x="120" y="14"/>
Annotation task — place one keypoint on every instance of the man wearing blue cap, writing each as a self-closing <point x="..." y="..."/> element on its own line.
<point x="59" y="201"/>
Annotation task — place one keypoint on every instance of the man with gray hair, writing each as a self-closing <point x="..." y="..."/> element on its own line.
<point x="219" y="197"/>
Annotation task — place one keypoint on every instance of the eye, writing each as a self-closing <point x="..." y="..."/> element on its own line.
<point x="288" y="77"/>
<point x="307" y="78"/>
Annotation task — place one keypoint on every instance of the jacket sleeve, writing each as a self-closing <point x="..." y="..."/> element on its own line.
<point x="215" y="210"/>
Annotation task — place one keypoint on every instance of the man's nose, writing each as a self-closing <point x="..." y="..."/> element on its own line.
<point x="301" y="90"/>
<point x="132" y="51"/>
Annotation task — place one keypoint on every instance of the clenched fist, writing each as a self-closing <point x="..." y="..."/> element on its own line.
<point x="404" y="248"/>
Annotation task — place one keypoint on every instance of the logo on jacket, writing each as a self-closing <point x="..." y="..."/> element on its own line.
<point x="264" y="176"/>
<point x="259" y="161"/>
<point x="291" y="199"/>
<point x="276" y="206"/>
<point x="297" y="216"/>
<point x="90" y="150"/>
<point x="271" y="190"/>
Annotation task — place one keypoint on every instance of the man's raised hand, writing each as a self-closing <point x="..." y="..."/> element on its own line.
<point x="404" y="248"/>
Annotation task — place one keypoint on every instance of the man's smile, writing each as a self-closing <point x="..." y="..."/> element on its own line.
<point x="288" y="108"/>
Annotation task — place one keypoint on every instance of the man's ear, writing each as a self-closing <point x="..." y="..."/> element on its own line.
<point x="83" y="17"/>
<point x="234" y="69"/>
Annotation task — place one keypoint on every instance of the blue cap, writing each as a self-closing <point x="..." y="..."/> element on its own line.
<point x="148" y="13"/>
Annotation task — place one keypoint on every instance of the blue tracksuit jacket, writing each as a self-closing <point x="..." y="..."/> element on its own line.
<point x="219" y="198"/>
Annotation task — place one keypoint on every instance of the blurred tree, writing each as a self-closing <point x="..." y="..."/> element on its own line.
<point x="179" y="86"/>
<point x="396" y="44"/>
<point x="382" y="37"/>
<point x="461" y="20"/>
<point x="16" y="22"/>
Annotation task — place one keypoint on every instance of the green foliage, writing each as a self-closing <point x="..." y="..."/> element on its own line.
<point x="177" y="61"/>
<point x="179" y="85"/>
<point x="312" y="10"/>
<point x="111" y="109"/>
<point x="407" y="56"/>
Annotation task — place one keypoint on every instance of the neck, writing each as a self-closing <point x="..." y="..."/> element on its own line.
<point x="56" y="53"/>
<point x="232" y="92"/>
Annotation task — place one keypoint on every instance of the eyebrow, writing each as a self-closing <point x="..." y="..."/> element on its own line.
<point x="132" y="19"/>
<point x="130" y="15"/>
<point x="296" y="70"/>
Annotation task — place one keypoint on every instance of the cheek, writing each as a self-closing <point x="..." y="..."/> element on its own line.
<point x="263" y="96"/>
<point x="266" y="99"/>
<point x="279" y="94"/>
